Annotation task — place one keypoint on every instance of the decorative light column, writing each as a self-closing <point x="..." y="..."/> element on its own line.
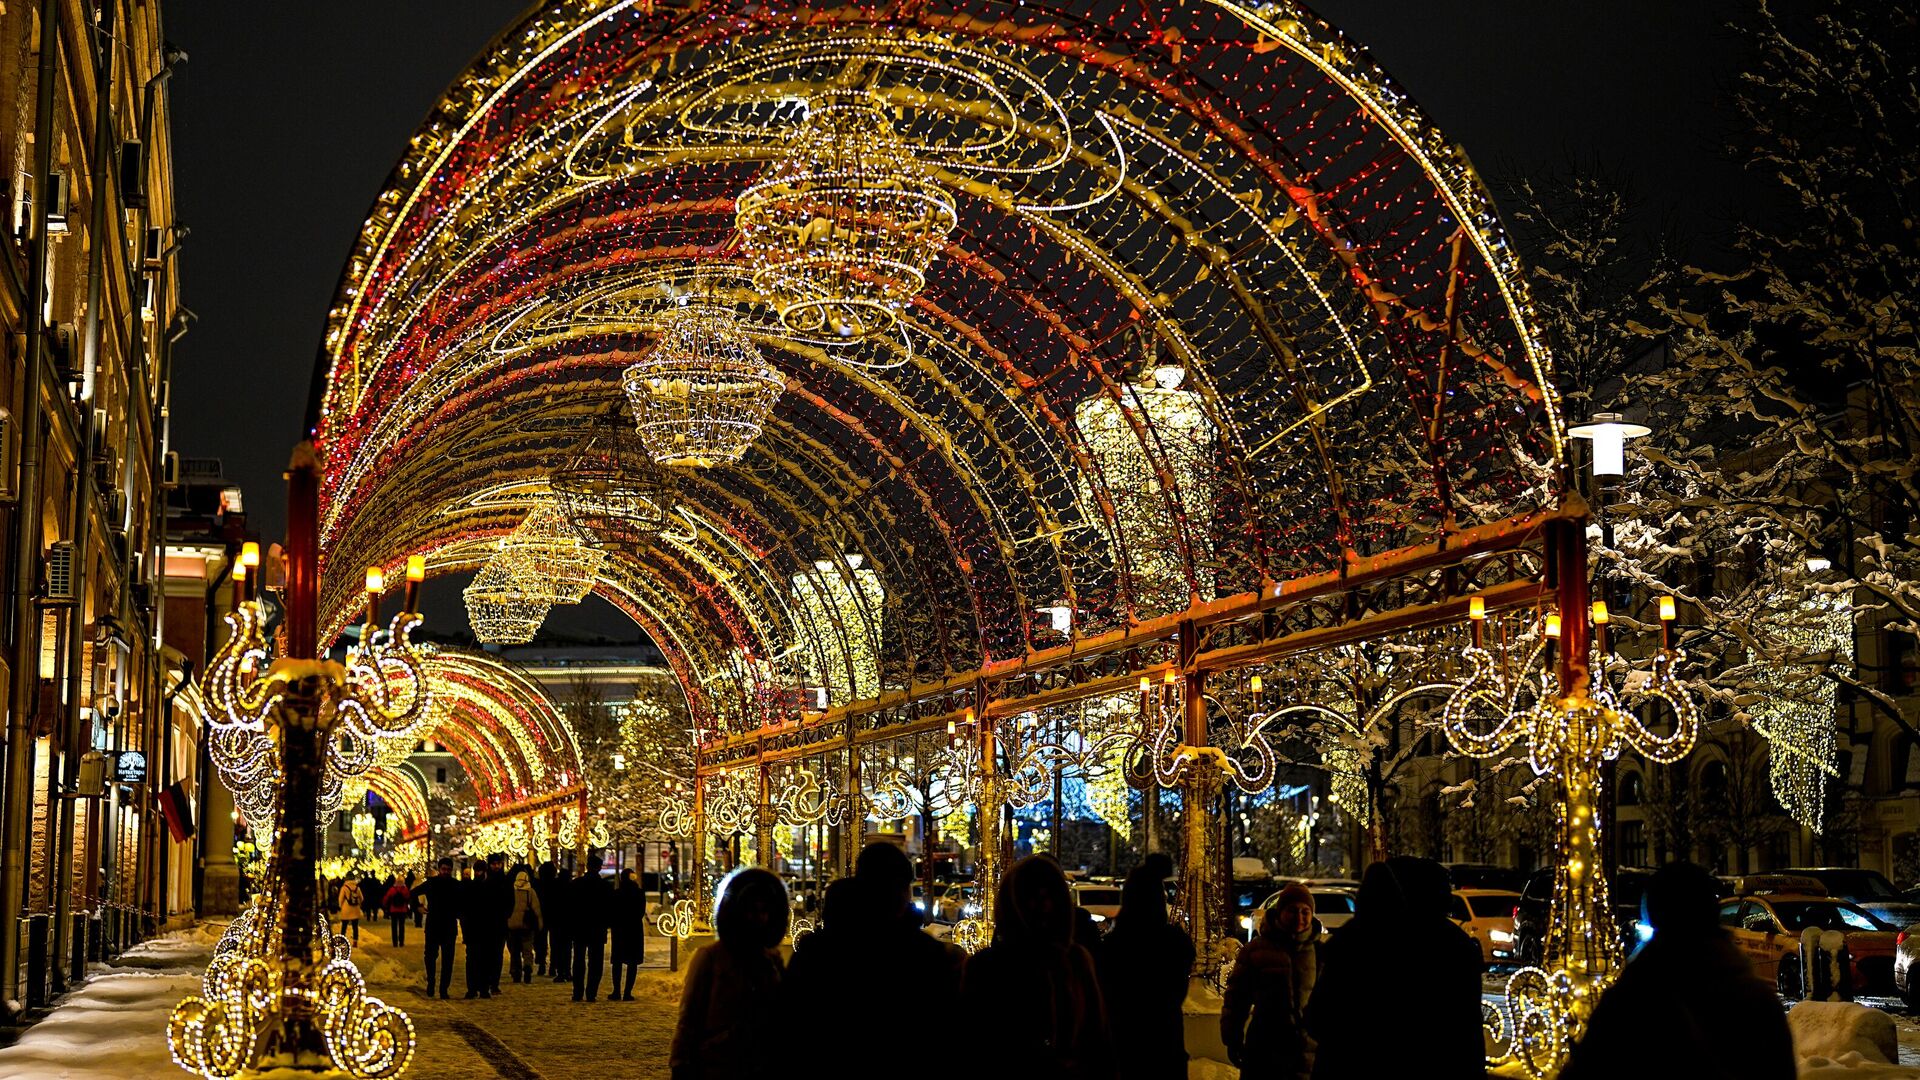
<point x="280" y="990"/>
<point x="1572" y="729"/>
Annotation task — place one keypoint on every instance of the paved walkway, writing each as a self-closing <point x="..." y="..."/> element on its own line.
<point x="114" y="1027"/>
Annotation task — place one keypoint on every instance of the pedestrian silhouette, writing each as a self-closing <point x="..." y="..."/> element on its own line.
<point x="629" y="925"/>
<point x="1034" y="987"/>
<point x="729" y="1007"/>
<point x="398" y="903"/>
<point x="523" y="926"/>
<point x="871" y="937"/>
<point x="438" y="899"/>
<point x="351" y="898"/>
<point x="1687" y="1004"/>
<point x="590" y="906"/>
<point x="1144" y="966"/>
<point x="477" y="908"/>
<point x="1262" y="1015"/>
<point x="554" y="890"/>
<point x="1362" y="966"/>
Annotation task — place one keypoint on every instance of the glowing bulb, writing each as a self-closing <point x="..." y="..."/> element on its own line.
<point x="1169" y="678"/>
<point x="1599" y="613"/>
<point x="1256" y="684"/>
<point x="1553" y="626"/>
<point x="416" y="568"/>
<point x="250" y="554"/>
<point x="1477" y="607"/>
<point x="240" y="572"/>
<point x="1667" y="612"/>
<point x="1609" y="434"/>
<point x="1146" y="684"/>
<point x="376" y="580"/>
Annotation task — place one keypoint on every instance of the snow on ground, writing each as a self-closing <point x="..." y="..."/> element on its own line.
<point x="114" y="1027"/>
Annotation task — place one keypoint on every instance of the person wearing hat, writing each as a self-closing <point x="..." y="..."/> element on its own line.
<point x="1267" y="992"/>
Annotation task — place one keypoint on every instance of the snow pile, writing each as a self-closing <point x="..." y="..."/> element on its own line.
<point x="1839" y="1040"/>
<point x="1202" y="1069"/>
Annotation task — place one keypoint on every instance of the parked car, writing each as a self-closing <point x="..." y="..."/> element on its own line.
<point x="1482" y="876"/>
<point x="1487" y="914"/>
<point x="1869" y="889"/>
<point x="1767" y="929"/>
<point x="1536" y="899"/>
<point x="1906" y="949"/>
<point x="1100" y="901"/>
<point x="959" y="900"/>
<point x="1764" y="884"/>
<point x="1332" y="906"/>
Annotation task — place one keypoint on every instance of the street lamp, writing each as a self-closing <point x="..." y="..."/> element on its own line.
<point x="1609" y="432"/>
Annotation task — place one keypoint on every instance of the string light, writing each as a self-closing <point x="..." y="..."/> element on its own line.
<point x="702" y="395"/>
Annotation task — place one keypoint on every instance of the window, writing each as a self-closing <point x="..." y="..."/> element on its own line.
<point x="1494" y="905"/>
<point x="1457" y="908"/>
<point x="1633" y="789"/>
<point x="1633" y="843"/>
<point x="1332" y="903"/>
<point x="1730" y="913"/>
<point x="440" y="774"/>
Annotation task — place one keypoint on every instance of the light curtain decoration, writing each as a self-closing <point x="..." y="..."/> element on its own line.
<point x="1797" y="718"/>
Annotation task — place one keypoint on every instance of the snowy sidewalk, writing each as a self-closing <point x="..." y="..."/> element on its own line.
<point x="114" y="1027"/>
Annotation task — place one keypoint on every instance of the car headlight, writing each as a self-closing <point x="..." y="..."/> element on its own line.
<point x="1096" y="916"/>
<point x="1246" y="923"/>
<point x="1642" y="931"/>
<point x="1501" y="937"/>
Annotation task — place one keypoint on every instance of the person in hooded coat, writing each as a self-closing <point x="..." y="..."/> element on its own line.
<point x="871" y="937"/>
<point x="1144" y="966"/>
<point x="730" y="1011"/>
<point x="351" y="900"/>
<point x="398" y="903"/>
<point x="629" y="925"/>
<point x="552" y="886"/>
<point x="1688" y="1004"/>
<point x="1362" y="965"/>
<point x="523" y="925"/>
<point x="1034" y="987"/>
<point x="1261" y="1015"/>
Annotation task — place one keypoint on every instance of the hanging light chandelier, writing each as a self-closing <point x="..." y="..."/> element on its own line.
<point x="611" y="491"/>
<point x="549" y="559"/>
<point x="841" y="229"/>
<point x="500" y="610"/>
<point x="702" y="395"/>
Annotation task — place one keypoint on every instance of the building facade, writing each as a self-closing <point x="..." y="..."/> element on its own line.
<point x="99" y="730"/>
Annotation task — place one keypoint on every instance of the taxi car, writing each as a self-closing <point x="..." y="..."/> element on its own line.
<point x="1767" y="930"/>
<point x="1487" y="915"/>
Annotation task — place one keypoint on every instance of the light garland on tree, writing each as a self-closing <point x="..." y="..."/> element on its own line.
<point x="1797" y="720"/>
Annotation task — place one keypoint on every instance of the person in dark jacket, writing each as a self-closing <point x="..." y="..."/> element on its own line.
<point x="1144" y="966"/>
<point x="438" y="898"/>
<point x="590" y="906"/>
<point x="1034" y="972"/>
<point x="1261" y="1016"/>
<point x="731" y="1000"/>
<point x="501" y="884"/>
<point x="629" y="925"/>
<point x="870" y="936"/>
<point x="543" y="888"/>
<point x="1688" y="1004"/>
<point x="1362" y="964"/>
<point x="555" y="894"/>
<point x="477" y="906"/>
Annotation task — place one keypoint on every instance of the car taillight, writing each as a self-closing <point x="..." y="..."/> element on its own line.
<point x="1901" y="938"/>
<point x="1516" y="912"/>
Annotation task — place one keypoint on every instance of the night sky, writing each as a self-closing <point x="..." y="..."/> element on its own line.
<point x="288" y="117"/>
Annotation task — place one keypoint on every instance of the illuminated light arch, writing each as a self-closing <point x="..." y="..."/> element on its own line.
<point x="1243" y="190"/>
<point x="400" y="788"/>
<point x="518" y="751"/>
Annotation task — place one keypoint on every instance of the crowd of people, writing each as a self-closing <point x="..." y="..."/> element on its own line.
<point x="514" y="921"/>
<point x="1397" y="987"/>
